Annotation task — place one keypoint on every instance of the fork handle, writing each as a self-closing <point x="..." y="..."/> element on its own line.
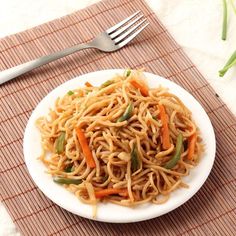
<point x="13" y="72"/>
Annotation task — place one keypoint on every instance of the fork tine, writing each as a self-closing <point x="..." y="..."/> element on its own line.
<point x="128" y="32"/>
<point x="123" y="29"/>
<point x="127" y="40"/>
<point x="115" y="27"/>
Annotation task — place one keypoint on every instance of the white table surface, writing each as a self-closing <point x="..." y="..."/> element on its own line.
<point x="195" y="25"/>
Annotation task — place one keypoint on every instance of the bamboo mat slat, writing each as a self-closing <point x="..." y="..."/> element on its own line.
<point x="210" y="212"/>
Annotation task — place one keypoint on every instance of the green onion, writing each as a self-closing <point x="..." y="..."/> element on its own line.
<point x="127" y="114"/>
<point x="229" y="64"/>
<point x="60" y="141"/>
<point x="134" y="159"/>
<point x="173" y="161"/>
<point x="61" y="180"/>
<point x="128" y="72"/>
<point x="224" y="26"/>
<point x="70" y="93"/>
<point x="107" y="83"/>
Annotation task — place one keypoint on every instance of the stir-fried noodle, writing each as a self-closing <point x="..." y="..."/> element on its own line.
<point x="121" y="142"/>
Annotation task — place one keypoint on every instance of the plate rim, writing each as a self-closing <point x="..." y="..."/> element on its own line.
<point x="137" y="219"/>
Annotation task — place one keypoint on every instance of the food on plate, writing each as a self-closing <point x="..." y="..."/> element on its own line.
<point x="120" y="142"/>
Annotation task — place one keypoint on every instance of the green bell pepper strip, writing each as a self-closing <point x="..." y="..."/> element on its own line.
<point x="69" y="168"/>
<point x="107" y="83"/>
<point x="127" y="114"/>
<point x="176" y="157"/>
<point x="70" y="93"/>
<point x="61" y="180"/>
<point x="134" y="159"/>
<point x="128" y="72"/>
<point x="60" y="143"/>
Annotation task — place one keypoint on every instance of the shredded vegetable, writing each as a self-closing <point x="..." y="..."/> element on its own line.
<point x="61" y="180"/>
<point x="165" y="129"/>
<point x="85" y="148"/>
<point x="191" y="146"/>
<point x="127" y="114"/>
<point x="176" y="157"/>
<point x="134" y="159"/>
<point x="60" y="143"/>
<point x="110" y="191"/>
<point x="143" y="89"/>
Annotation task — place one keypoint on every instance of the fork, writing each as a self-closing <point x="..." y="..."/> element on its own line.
<point x="110" y="40"/>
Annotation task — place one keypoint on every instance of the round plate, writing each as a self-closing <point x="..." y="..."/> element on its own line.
<point x="109" y="212"/>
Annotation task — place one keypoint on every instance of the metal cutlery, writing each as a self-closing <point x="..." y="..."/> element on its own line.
<point x="110" y="40"/>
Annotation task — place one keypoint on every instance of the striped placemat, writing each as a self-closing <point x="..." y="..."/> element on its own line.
<point x="210" y="212"/>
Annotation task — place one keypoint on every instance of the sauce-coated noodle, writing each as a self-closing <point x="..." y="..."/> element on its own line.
<point x="128" y="151"/>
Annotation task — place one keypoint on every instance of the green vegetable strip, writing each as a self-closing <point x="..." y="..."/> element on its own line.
<point x="70" y="93"/>
<point x="69" y="168"/>
<point x="173" y="161"/>
<point x="128" y="72"/>
<point x="134" y="159"/>
<point x="61" y="180"/>
<point x="229" y="63"/>
<point x="224" y="26"/>
<point x="107" y="83"/>
<point x="127" y="114"/>
<point x="60" y="143"/>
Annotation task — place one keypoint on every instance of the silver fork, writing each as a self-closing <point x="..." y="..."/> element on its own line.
<point x="110" y="40"/>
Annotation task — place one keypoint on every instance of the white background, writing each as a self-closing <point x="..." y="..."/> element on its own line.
<point x="195" y="25"/>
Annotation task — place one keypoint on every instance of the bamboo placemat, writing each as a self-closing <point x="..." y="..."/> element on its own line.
<point x="210" y="212"/>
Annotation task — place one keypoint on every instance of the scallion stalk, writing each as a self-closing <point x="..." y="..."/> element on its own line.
<point x="229" y="64"/>
<point x="224" y="26"/>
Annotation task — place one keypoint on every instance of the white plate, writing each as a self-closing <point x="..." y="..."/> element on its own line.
<point x="110" y="212"/>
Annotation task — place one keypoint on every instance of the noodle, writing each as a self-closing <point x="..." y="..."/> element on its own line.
<point x="120" y="157"/>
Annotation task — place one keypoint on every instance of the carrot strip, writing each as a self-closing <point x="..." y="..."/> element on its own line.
<point x="88" y="84"/>
<point x="109" y="191"/>
<point x="143" y="89"/>
<point x="53" y="115"/>
<point x="191" y="146"/>
<point x="165" y="129"/>
<point x="85" y="148"/>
